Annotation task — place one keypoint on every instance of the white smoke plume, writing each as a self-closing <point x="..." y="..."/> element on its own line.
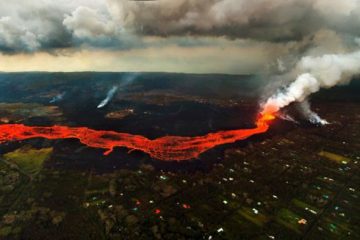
<point x="58" y="98"/>
<point x="108" y="98"/>
<point x="316" y="72"/>
<point x="312" y="116"/>
<point x="126" y="80"/>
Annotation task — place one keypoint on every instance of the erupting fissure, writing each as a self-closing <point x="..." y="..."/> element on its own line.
<point x="168" y="148"/>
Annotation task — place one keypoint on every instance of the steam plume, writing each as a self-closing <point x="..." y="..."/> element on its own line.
<point x="109" y="96"/>
<point x="316" y="72"/>
<point x="129" y="78"/>
<point x="58" y="98"/>
<point x="311" y="115"/>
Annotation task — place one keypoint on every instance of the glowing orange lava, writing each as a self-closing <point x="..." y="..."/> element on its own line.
<point x="169" y="148"/>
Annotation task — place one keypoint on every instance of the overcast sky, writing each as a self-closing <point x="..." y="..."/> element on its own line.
<point x="200" y="36"/>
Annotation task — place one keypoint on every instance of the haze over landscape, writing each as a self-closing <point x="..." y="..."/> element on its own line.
<point x="179" y="119"/>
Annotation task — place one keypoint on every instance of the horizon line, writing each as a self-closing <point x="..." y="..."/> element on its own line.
<point x="142" y="72"/>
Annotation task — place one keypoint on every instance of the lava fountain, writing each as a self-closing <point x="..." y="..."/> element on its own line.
<point x="168" y="148"/>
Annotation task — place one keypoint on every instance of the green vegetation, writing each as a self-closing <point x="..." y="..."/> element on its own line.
<point x="303" y="205"/>
<point x="256" y="218"/>
<point x="29" y="160"/>
<point x="5" y="231"/>
<point x="288" y="219"/>
<point x="16" y="112"/>
<point x="334" y="157"/>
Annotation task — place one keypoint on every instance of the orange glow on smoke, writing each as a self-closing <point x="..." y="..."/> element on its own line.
<point x="266" y="117"/>
<point x="168" y="148"/>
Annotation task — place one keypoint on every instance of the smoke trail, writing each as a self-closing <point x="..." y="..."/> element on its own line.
<point x="57" y="98"/>
<point x="313" y="117"/>
<point x="316" y="72"/>
<point x="109" y="96"/>
<point x="129" y="78"/>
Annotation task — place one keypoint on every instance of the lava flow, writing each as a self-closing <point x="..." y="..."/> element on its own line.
<point x="168" y="148"/>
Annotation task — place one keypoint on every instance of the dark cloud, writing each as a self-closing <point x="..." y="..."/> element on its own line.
<point x="270" y="20"/>
<point x="51" y="25"/>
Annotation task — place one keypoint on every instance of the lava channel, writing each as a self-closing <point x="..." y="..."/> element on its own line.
<point x="168" y="148"/>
